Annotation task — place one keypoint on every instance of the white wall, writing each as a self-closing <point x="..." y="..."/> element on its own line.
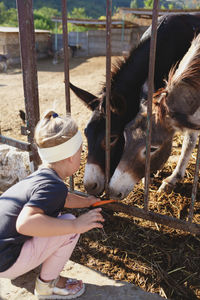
<point x="93" y="42"/>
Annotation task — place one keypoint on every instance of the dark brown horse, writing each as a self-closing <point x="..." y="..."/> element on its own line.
<point x="174" y="35"/>
<point x="176" y="107"/>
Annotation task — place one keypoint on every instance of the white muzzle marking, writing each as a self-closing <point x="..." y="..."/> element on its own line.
<point x="94" y="179"/>
<point x="121" y="184"/>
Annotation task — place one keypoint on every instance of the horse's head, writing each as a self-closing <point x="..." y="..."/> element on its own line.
<point x="131" y="167"/>
<point x="94" y="176"/>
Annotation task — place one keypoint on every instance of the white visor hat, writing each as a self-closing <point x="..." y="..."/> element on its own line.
<point x="62" y="151"/>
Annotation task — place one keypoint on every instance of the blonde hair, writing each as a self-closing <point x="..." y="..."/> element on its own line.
<point x="53" y="130"/>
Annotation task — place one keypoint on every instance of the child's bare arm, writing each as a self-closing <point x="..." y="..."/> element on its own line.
<point x="76" y="201"/>
<point x="33" y="222"/>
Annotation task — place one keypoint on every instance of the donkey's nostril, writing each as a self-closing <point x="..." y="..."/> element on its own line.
<point x="94" y="186"/>
<point x="119" y="195"/>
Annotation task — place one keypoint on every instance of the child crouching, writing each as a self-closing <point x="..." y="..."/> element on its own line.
<point x="32" y="231"/>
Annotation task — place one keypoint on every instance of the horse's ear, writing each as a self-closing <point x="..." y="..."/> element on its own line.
<point x="118" y="104"/>
<point x="90" y="100"/>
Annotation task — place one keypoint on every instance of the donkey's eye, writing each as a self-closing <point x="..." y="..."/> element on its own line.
<point x="113" y="139"/>
<point x="152" y="150"/>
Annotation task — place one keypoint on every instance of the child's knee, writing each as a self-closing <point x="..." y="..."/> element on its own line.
<point x="67" y="217"/>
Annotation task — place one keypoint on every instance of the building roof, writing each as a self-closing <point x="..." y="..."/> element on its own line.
<point x="16" y="29"/>
<point x="92" y="23"/>
<point x="147" y="13"/>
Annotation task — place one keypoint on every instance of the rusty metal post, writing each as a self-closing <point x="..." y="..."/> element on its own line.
<point x="28" y="62"/>
<point x="66" y="67"/>
<point x="108" y="87"/>
<point x="15" y="143"/>
<point x="195" y="183"/>
<point x="154" y="217"/>
<point x="66" y="55"/>
<point x="150" y="95"/>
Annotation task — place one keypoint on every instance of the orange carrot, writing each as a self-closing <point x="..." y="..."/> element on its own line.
<point x="99" y="203"/>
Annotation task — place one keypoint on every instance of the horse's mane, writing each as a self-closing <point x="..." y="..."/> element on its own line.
<point x="188" y="72"/>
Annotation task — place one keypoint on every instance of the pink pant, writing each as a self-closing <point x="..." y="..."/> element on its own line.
<point x="52" y="252"/>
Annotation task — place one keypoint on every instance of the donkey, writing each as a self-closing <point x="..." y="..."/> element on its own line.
<point x="174" y="35"/>
<point x="176" y="107"/>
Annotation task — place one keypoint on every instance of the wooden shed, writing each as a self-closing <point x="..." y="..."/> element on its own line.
<point x="9" y="43"/>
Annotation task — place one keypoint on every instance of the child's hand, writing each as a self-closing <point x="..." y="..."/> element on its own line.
<point x="89" y="221"/>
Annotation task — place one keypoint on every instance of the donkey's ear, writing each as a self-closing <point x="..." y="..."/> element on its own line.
<point x="118" y="104"/>
<point x="143" y="105"/>
<point x="89" y="99"/>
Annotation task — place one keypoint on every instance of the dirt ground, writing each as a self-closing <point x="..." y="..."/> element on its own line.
<point x="154" y="257"/>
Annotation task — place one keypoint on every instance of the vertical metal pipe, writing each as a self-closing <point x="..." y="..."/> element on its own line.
<point x="77" y="38"/>
<point x="66" y="67"/>
<point x="150" y="95"/>
<point x="195" y="183"/>
<point x="88" y="43"/>
<point x="123" y="31"/>
<point x="56" y="37"/>
<point x="108" y="87"/>
<point x="29" y="69"/>
<point x="66" y="55"/>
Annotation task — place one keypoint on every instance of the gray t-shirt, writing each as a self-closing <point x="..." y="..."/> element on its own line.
<point x="43" y="189"/>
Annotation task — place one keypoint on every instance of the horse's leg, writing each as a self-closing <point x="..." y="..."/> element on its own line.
<point x="189" y="143"/>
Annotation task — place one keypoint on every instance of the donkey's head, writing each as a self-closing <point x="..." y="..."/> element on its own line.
<point x="131" y="168"/>
<point x="94" y="176"/>
<point x="178" y="103"/>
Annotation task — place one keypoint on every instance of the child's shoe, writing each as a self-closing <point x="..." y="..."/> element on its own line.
<point x="48" y="290"/>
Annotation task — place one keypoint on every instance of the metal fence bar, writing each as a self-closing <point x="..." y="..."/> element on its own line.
<point x="149" y="102"/>
<point x="31" y="99"/>
<point x="66" y="55"/>
<point x="15" y="143"/>
<point x="195" y="183"/>
<point x="30" y="81"/>
<point x="66" y="68"/>
<point x="154" y="217"/>
<point x="108" y="86"/>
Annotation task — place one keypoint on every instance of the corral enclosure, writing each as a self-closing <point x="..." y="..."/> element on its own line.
<point x="92" y="42"/>
<point x="9" y="43"/>
<point x="156" y="258"/>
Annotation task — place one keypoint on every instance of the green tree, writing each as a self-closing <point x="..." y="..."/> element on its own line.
<point x="47" y="12"/>
<point x="8" y="17"/>
<point x="12" y="17"/>
<point x="41" y="22"/>
<point x="148" y="3"/>
<point x="43" y="18"/>
<point x="136" y="4"/>
<point x="3" y="12"/>
<point x="171" y="6"/>
<point x="77" y="13"/>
